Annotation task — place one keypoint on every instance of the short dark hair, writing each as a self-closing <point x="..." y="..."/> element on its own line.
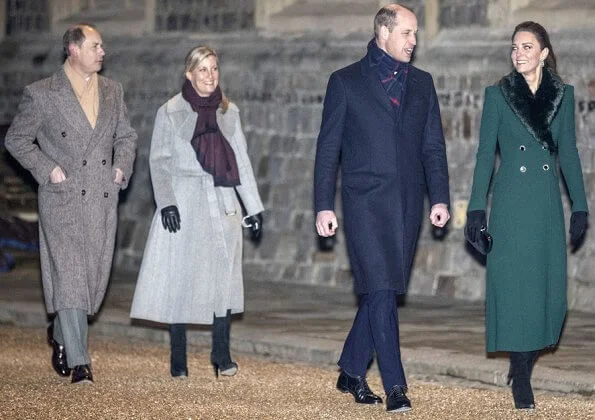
<point x="75" y="35"/>
<point x="543" y="39"/>
<point x="387" y="16"/>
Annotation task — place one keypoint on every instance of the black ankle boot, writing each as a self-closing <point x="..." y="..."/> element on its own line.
<point x="220" y="356"/>
<point x="520" y="376"/>
<point x="177" y="339"/>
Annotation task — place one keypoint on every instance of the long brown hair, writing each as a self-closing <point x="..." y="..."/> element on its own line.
<point x="543" y="39"/>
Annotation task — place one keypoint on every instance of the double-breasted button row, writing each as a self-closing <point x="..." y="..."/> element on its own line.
<point x="63" y="133"/>
<point x="545" y="167"/>
<point x="105" y="194"/>
<point x="103" y="162"/>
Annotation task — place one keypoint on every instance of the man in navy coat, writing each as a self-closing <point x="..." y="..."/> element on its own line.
<point x="381" y="125"/>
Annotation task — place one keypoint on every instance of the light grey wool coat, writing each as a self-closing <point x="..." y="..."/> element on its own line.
<point x="77" y="217"/>
<point x="196" y="272"/>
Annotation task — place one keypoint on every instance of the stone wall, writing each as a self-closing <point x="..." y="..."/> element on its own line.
<point x="27" y="16"/>
<point x="279" y="85"/>
<point x="459" y="13"/>
<point x="204" y="15"/>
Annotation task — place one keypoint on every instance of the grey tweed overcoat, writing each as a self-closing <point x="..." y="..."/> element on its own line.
<point x="196" y="272"/>
<point x="77" y="217"/>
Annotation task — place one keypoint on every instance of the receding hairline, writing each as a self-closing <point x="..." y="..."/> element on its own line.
<point x="397" y="9"/>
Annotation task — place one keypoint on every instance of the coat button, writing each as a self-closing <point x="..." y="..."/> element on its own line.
<point x="63" y="133"/>
<point x="103" y="162"/>
<point x="523" y="169"/>
<point x="522" y="147"/>
<point x="114" y="136"/>
<point x="83" y="192"/>
<point x="84" y="163"/>
<point x="106" y="195"/>
<point x="546" y="167"/>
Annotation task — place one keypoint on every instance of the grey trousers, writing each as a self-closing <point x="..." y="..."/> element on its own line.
<point x="71" y="329"/>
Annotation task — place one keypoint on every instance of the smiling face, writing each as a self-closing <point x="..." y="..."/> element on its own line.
<point x="526" y="54"/>
<point x="400" y="42"/>
<point x="205" y="76"/>
<point x="88" y="58"/>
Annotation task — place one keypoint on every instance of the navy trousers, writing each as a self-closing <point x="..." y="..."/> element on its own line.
<point x="375" y="329"/>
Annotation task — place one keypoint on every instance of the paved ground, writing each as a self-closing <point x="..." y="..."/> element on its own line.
<point x="308" y="324"/>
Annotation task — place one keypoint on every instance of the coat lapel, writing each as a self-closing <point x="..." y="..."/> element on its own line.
<point x="373" y="85"/>
<point x="183" y="118"/>
<point x="410" y="96"/>
<point x="107" y="103"/>
<point x="65" y="100"/>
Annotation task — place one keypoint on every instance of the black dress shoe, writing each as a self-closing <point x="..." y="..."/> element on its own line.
<point x="396" y="400"/>
<point x="58" y="355"/>
<point x="81" y="374"/>
<point x="358" y="387"/>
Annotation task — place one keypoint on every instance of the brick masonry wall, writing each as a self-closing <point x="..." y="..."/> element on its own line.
<point x="279" y="85"/>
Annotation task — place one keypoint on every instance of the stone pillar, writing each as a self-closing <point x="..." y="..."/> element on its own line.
<point x="432" y="18"/>
<point x="150" y="15"/>
<point x="2" y="19"/>
<point x="265" y="8"/>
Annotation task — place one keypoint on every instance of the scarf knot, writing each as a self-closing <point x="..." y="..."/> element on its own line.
<point x="213" y="151"/>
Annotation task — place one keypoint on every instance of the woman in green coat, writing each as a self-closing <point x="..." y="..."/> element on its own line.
<point x="529" y="117"/>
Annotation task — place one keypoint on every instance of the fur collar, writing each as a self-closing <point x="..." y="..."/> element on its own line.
<point x="535" y="112"/>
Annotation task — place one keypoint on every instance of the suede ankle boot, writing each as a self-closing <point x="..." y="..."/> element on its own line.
<point x="220" y="355"/>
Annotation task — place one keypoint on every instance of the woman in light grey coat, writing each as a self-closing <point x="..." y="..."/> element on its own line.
<point x="191" y="270"/>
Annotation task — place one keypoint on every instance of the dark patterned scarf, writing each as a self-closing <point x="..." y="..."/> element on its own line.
<point x="392" y="73"/>
<point x="213" y="152"/>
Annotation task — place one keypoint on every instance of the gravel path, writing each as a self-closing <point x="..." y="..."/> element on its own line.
<point x="132" y="382"/>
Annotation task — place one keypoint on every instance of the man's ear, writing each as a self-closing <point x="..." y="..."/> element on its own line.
<point x="73" y="50"/>
<point x="384" y="32"/>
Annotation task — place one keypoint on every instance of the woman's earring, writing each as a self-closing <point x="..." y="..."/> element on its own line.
<point x="542" y="62"/>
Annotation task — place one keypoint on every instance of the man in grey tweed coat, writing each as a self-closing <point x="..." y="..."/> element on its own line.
<point x="83" y="157"/>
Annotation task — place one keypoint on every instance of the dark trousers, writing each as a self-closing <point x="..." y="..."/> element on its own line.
<point x="375" y="329"/>
<point x="72" y="331"/>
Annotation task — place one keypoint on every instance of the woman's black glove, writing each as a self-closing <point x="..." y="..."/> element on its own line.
<point x="578" y="227"/>
<point x="254" y="223"/>
<point x="170" y="217"/>
<point x="476" y="220"/>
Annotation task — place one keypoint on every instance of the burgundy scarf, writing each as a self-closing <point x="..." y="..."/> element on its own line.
<point x="213" y="152"/>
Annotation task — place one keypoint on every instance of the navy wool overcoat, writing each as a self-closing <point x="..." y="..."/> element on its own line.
<point x="388" y="160"/>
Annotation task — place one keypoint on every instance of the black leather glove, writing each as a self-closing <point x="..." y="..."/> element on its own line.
<point x="170" y="217"/>
<point x="254" y="223"/>
<point x="476" y="220"/>
<point x="578" y="227"/>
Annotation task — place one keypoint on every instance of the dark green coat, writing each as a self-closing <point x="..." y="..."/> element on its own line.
<point x="526" y="270"/>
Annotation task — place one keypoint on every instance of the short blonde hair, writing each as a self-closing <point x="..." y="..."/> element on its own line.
<point x="194" y="57"/>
